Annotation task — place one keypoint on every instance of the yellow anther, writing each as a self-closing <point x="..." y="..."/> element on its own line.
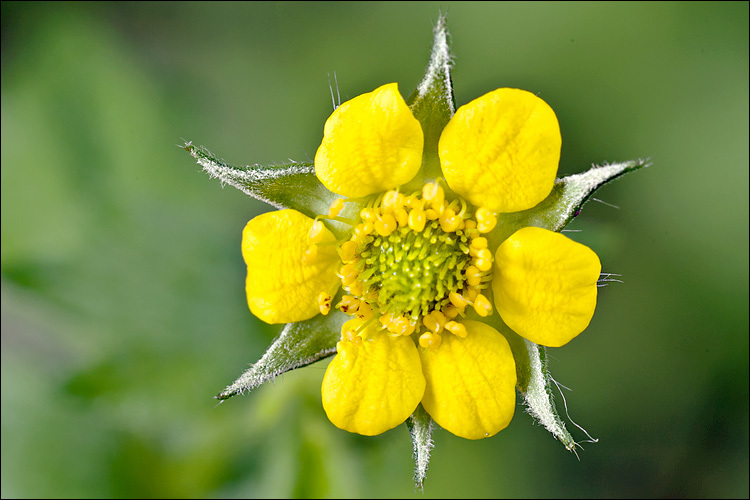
<point x="324" y="303"/>
<point x="335" y="207"/>
<point x="367" y="214"/>
<point x="449" y="221"/>
<point x="486" y="220"/>
<point x="364" y="311"/>
<point x="348" y="251"/>
<point x="484" y="265"/>
<point x="478" y="243"/>
<point x="482" y="305"/>
<point x="473" y="276"/>
<point x="432" y="214"/>
<point x="484" y="253"/>
<point x="356" y="288"/>
<point x="458" y="300"/>
<point x="469" y="225"/>
<point x="402" y="217"/>
<point x="386" y="320"/>
<point x="316" y="233"/>
<point x="310" y="254"/>
<point x="483" y="260"/>
<point x="471" y="293"/>
<point x="392" y="200"/>
<point x="349" y="304"/>
<point x="456" y="329"/>
<point x="402" y="325"/>
<point x="363" y="229"/>
<point x="348" y="273"/>
<point x="430" y="340"/>
<point x="451" y="311"/>
<point x="413" y="202"/>
<point x="350" y="335"/>
<point x="386" y="225"/>
<point x="417" y="219"/>
<point x="435" y="321"/>
<point x="433" y="194"/>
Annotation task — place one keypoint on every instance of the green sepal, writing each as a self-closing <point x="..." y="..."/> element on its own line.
<point x="433" y="104"/>
<point x="420" y="426"/>
<point x="537" y="394"/>
<point x="568" y="196"/>
<point x="299" y="344"/>
<point x="289" y="185"/>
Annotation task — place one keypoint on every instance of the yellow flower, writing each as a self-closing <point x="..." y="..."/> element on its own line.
<point x="420" y="263"/>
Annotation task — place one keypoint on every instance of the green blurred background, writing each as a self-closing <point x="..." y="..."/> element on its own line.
<point x="123" y="308"/>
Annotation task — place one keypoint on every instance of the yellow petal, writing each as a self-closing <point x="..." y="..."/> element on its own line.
<point x="371" y="143"/>
<point x="470" y="382"/>
<point x="501" y="151"/>
<point x="281" y="287"/>
<point x="373" y="384"/>
<point x="545" y="285"/>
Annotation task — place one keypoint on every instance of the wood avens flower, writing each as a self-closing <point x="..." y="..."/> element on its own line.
<point x="423" y="249"/>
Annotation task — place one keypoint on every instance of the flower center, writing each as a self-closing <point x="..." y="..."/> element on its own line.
<point x="412" y="273"/>
<point x="415" y="263"/>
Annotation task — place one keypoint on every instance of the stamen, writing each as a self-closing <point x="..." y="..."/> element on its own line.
<point x="432" y="214"/>
<point x="435" y="321"/>
<point x="401" y="216"/>
<point x="385" y="225"/>
<point x="349" y="304"/>
<point x="451" y="311"/>
<point x="351" y="336"/>
<point x="417" y="219"/>
<point x="458" y="300"/>
<point x="429" y="340"/>
<point x="477" y="244"/>
<point x="336" y="207"/>
<point x="449" y="221"/>
<point x="392" y="200"/>
<point x="348" y="273"/>
<point x="434" y="194"/>
<point x="324" y="303"/>
<point x="473" y="276"/>
<point x="316" y="233"/>
<point x="483" y="260"/>
<point x="486" y="220"/>
<point x="364" y="311"/>
<point x="356" y="288"/>
<point x="363" y="229"/>
<point x="456" y="329"/>
<point x="348" y="251"/>
<point x="482" y="305"/>
<point x="367" y="214"/>
<point x="413" y="201"/>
